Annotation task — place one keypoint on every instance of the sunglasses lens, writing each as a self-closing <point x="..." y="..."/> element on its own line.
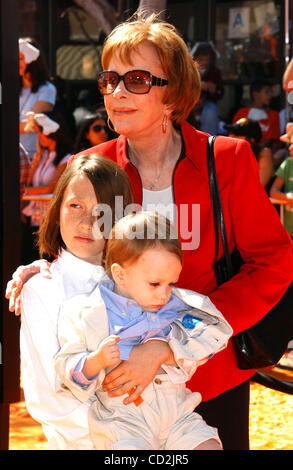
<point x="107" y="82"/>
<point x="137" y="81"/>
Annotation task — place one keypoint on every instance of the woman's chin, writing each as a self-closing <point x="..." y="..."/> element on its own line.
<point x="122" y="128"/>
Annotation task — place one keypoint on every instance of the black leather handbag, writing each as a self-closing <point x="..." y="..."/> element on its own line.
<point x="263" y="344"/>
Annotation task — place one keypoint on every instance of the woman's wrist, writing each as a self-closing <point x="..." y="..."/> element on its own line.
<point x="161" y="351"/>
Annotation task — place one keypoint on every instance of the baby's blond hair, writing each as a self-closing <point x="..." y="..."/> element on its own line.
<point x="134" y="234"/>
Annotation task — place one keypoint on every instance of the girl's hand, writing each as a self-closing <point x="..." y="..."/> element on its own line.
<point x="19" y="278"/>
<point x="136" y="373"/>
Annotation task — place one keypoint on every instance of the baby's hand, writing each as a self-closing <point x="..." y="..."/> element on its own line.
<point x="108" y="351"/>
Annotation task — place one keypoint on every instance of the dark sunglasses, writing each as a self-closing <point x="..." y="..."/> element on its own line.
<point x="135" y="81"/>
<point x="99" y="127"/>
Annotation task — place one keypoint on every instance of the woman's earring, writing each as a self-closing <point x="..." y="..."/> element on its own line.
<point x="110" y="125"/>
<point x="164" y="124"/>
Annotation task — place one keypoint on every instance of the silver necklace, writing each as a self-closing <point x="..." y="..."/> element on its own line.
<point x="154" y="182"/>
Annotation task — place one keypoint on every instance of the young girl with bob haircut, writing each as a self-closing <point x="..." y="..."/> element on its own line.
<point x="108" y="182"/>
<point x="137" y="304"/>
<point x="65" y="234"/>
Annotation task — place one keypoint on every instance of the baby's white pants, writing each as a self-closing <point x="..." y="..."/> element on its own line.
<point x="165" y="420"/>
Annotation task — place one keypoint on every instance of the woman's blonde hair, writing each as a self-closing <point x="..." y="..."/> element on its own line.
<point x="108" y="179"/>
<point x="184" y="82"/>
<point x="135" y="233"/>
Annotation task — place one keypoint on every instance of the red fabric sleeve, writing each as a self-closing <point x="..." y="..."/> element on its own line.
<point x="263" y="244"/>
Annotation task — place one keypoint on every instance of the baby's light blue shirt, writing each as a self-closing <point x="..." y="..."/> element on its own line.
<point x="134" y="325"/>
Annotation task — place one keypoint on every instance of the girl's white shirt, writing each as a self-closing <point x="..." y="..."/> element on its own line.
<point x="63" y="417"/>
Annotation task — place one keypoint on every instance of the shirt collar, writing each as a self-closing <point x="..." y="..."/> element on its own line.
<point x="80" y="271"/>
<point x="125" y="303"/>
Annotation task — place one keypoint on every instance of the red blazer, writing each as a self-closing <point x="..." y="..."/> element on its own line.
<point x="252" y="223"/>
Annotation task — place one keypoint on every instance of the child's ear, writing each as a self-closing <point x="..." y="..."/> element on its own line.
<point x="118" y="273"/>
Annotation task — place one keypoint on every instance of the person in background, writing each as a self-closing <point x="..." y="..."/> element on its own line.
<point x="212" y="87"/>
<point x="37" y="94"/>
<point x="250" y="131"/>
<point x="62" y="106"/>
<point x="286" y="113"/>
<point x="282" y="187"/>
<point x="24" y="169"/>
<point x="54" y="148"/>
<point x="87" y="102"/>
<point x="93" y="130"/>
<point x="24" y="172"/>
<point x="268" y="119"/>
<point x="287" y="80"/>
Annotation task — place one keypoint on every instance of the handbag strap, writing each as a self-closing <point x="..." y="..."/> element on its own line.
<point x="219" y="221"/>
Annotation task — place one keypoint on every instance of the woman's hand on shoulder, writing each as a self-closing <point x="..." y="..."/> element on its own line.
<point x="20" y="277"/>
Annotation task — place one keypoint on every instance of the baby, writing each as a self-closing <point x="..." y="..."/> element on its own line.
<point x="139" y="303"/>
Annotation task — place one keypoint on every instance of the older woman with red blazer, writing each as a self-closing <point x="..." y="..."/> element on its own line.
<point x="150" y="83"/>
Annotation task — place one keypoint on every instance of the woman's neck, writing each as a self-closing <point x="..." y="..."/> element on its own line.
<point x="156" y="158"/>
<point x="152" y="151"/>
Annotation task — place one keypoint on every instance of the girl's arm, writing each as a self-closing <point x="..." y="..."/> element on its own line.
<point x="265" y="165"/>
<point x="288" y="77"/>
<point x="42" y="107"/>
<point x="276" y="191"/>
<point x="63" y="416"/>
